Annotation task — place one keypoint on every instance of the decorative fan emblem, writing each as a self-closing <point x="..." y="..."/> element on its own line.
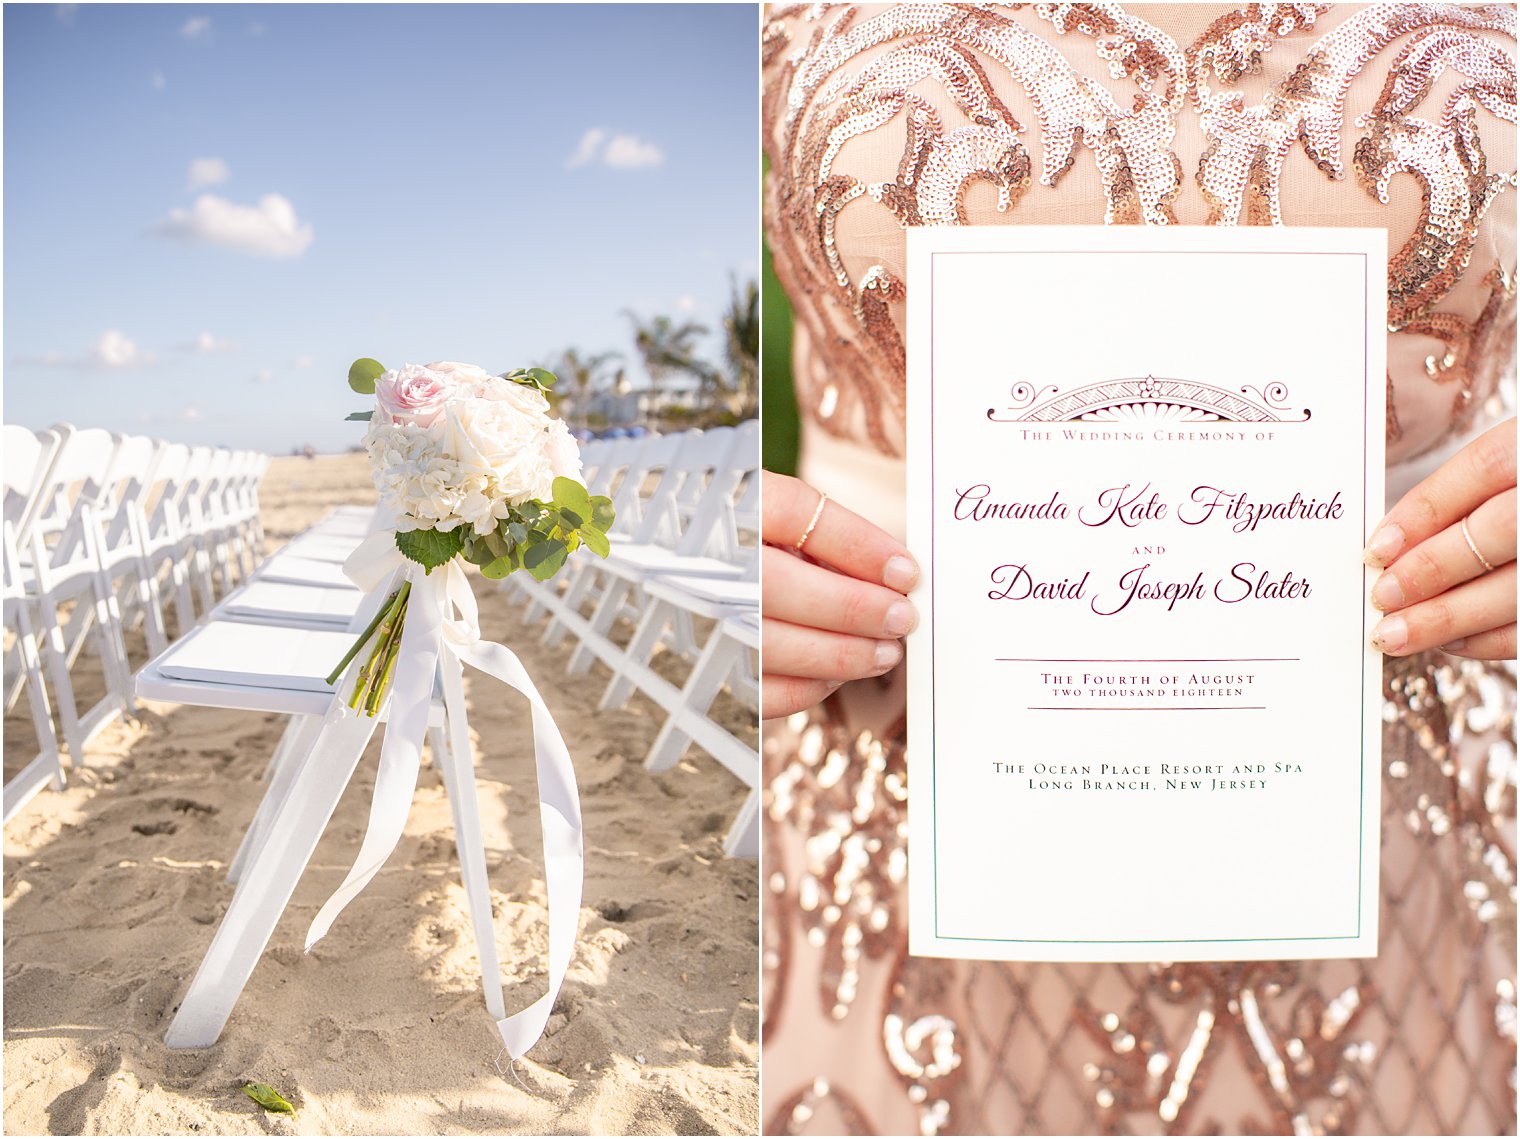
<point x="1150" y="400"/>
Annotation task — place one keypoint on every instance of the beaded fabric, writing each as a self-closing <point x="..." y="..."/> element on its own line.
<point x="1396" y="115"/>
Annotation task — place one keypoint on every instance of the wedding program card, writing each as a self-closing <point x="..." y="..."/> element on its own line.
<point x="1144" y="720"/>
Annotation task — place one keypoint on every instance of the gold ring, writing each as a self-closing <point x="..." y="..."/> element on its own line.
<point x="1473" y="546"/>
<point x="813" y="523"/>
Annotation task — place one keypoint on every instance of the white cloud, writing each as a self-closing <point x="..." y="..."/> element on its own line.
<point x="191" y="414"/>
<point x="196" y="28"/>
<point x="158" y="81"/>
<point x="623" y="151"/>
<point x="112" y="352"/>
<point x="269" y="229"/>
<point x="263" y="376"/>
<point x="686" y="303"/>
<point x="590" y="144"/>
<point x="206" y="172"/>
<point x="115" y="350"/>
<point x="630" y="152"/>
<point x="207" y="344"/>
<point x="304" y="362"/>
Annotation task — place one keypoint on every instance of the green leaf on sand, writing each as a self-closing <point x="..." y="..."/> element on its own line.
<point x="363" y="373"/>
<point x="430" y="548"/>
<point x="269" y="1099"/>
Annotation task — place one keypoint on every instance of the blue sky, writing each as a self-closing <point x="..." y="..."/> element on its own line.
<point x="211" y="210"/>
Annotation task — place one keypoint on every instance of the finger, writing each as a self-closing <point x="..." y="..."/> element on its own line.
<point x="794" y="650"/>
<point x="804" y="594"/>
<point x="1445" y="560"/>
<point x="841" y="539"/>
<point x="1484" y="603"/>
<point x="785" y="695"/>
<point x="1479" y="471"/>
<point x="1495" y="644"/>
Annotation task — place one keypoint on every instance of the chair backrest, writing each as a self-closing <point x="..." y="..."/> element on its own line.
<point x="684" y="482"/>
<point x="713" y="526"/>
<point x="652" y="455"/>
<point x="28" y="456"/>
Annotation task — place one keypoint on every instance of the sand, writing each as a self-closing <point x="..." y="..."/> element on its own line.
<point x="113" y="889"/>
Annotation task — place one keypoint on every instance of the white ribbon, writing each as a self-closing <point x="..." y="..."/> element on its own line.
<point x="434" y="645"/>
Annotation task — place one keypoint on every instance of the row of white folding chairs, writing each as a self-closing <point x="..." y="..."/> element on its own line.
<point x="685" y="506"/>
<point x="101" y="531"/>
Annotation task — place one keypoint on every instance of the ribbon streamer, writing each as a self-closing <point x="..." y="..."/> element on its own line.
<point x="435" y="644"/>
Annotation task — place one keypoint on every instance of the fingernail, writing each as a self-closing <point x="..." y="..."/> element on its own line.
<point x="900" y="573"/>
<point x="888" y="653"/>
<point x="1383" y="546"/>
<point x="1454" y="646"/>
<point x="1387" y="593"/>
<point x="901" y="618"/>
<point x="1390" y="635"/>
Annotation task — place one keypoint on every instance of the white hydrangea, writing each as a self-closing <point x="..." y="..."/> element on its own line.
<point x="493" y="446"/>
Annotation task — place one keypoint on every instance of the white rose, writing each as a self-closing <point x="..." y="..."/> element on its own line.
<point x="461" y="373"/>
<point x="493" y="440"/>
<point x="526" y="399"/>
<point x="563" y="451"/>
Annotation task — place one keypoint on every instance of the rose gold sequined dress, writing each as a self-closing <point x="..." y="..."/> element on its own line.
<point x="1397" y="115"/>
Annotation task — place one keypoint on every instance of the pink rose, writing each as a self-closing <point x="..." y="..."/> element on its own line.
<point x="414" y="394"/>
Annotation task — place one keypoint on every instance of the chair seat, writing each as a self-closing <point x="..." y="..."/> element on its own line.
<point x="640" y="561"/>
<point x="298" y="570"/>
<point x="284" y="601"/>
<point x="706" y="596"/>
<point x="322" y="547"/>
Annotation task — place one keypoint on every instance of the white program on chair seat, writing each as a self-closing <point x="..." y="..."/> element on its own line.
<point x="300" y="570"/>
<point x="285" y="601"/>
<point x="258" y="656"/>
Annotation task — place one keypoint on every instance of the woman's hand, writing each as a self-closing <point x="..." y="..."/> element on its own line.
<point x="837" y="611"/>
<point x="1444" y="587"/>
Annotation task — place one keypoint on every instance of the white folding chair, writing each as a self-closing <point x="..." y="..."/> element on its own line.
<point x="64" y="567"/>
<point x="26" y="461"/>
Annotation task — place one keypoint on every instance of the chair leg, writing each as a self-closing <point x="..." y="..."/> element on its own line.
<point x="284" y="766"/>
<point x="268" y="881"/>
<point x="63" y="688"/>
<point x="743" y="838"/>
<point x="701" y="689"/>
<point x="601" y="623"/>
<point x="641" y="648"/>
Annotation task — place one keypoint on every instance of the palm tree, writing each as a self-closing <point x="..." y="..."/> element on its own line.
<point x="584" y="374"/>
<point x="669" y="348"/>
<point x="741" y="323"/>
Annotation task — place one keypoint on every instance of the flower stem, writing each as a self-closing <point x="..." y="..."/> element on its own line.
<point x="392" y="651"/>
<point x="388" y="630"/>
<point x="332" y="677"/>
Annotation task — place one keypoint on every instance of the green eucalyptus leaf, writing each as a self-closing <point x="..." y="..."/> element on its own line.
<point x="570" y="520"/>
<point x="499" y="568"/>
<point x="545" y="378"/>
<point x="269" y="1099"/>
<point x="602" y="513"/>
<point x="568" y="492"/>
<point x="517" y="532"/>
<point x="358" y="417"/>
<point x="430" y="548"/>
<point x="363" y="373"/>
<point x="596" y="542"/>
<point x="544" y="560"/>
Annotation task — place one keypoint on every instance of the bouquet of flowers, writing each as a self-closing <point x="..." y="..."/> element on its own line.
<point x="473" y="466"/>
